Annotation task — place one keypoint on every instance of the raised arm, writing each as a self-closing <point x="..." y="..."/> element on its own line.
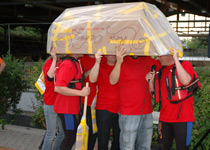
<point x="95" y="69"/>
<point x="183" y="76"/>
<point x="115" y="74"/>
<point x="51" y="71"/>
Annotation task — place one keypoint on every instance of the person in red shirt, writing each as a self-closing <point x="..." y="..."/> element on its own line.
<point x="69" y="87"/>
<point x="175" y="119"/>
<point x="2" y="65"/>
<point x="51" y="118"/>
<point x="135" y="105"/>
<point x="107" y="102"/>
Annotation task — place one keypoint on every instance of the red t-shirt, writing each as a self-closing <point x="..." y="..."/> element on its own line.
<point x="66" y="73"/>
<point x="87" y="63"/>
<point x="49" y="94"/>
<point x="107" y="97"/>
<point x="132" y="85"/>
<point x="169" y="112"/>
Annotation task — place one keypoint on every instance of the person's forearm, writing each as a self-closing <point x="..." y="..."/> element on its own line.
<point x="183" y="76"/>
<point x="115" y="74"/>
<point x="94" y="72"/>
<point x="67" y="91"/>
<point x="51" y="71"/>
<point x="2" y="66"/>
<point x="87" y="73"/>
<point x="151" y="87"/>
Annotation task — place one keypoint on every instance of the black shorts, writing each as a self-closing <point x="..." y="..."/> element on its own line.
<point x="180" y="131"/>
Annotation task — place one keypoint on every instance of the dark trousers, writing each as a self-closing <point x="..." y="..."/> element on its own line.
<point x="69" y="134"/>
<point x="91" y="137"/>
<point x="180" y="131"/>
<point x="105" y="121"/>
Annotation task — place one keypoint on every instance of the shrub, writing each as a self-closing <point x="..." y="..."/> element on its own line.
<point x="12" y="84"/>
<point x="201" y="108"/>
<point x="21" y="32"/>
<point x="33" y="72"/>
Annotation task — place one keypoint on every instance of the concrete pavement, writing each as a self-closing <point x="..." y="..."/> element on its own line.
<point x="20" y="138"/>
<point x="15" y="137"/>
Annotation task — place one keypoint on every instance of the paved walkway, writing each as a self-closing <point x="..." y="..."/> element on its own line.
<point x="15" y="137"/>
<point x="20" y="138"/>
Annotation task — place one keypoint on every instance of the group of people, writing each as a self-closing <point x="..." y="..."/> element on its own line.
<point x="124" y="86"/>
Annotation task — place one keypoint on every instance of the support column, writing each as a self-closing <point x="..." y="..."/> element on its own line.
<point x="177" y="23"/>
<point x="209" y="44"/>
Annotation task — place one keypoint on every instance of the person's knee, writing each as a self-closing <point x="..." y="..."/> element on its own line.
<point x="50" y="134"/>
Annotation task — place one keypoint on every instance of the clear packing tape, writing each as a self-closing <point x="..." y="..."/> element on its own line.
<point x="140" y="27"/>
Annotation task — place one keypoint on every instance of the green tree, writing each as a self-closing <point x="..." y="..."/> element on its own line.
<point x="12" y="84"/>
<point x="202" y="109"/>
<point x="26" y="32"/>
<point x="22" y="32"/>
<point x="197" y="42"/>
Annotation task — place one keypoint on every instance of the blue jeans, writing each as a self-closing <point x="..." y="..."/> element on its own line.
<point x="135" y="132"/>
<point x="53" y="123"/>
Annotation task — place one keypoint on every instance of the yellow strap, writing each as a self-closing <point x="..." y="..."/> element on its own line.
<point x="67" y="16"/>
<point x="64" y="30"/>
<point x="61" y="29"/>
<point x="98" y="11"/>
<point x="141" y="6"/>
<point x="146" y="47"/>
<point x="135" y="8"/>
<point x="89" y="37"/>
<point x="95" y="128"/>
<point x="179" y="51"/>
<point x="104" y="50"/>
<point x="156" y="35"/>
<point x="127" y="41"/>
<point x="55" y="33"/>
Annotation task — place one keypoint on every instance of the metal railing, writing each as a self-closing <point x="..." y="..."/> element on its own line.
<point x="201" y="52"/>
